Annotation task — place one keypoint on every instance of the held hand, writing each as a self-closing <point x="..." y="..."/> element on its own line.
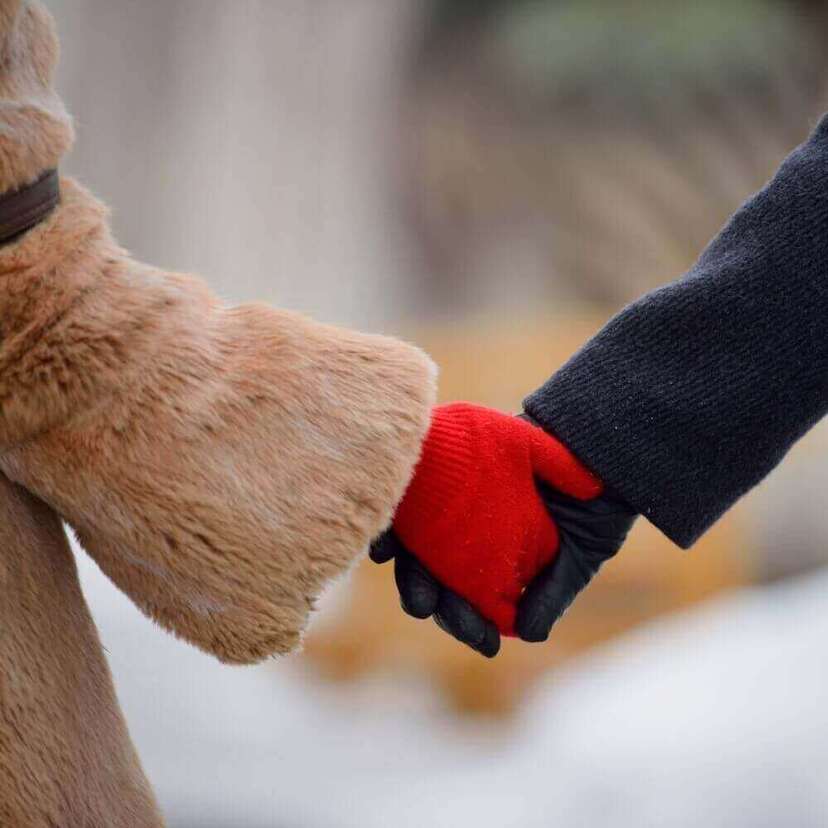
<point x="473" y="531"/>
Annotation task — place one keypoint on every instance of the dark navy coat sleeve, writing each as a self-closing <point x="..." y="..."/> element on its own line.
<point x="692" y="394"/>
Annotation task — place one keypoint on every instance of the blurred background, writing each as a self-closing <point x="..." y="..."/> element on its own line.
<point x="492" y="180"/>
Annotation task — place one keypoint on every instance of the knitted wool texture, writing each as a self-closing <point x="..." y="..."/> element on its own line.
<point x="472" y="514"/>
<point x="691" y="395"/>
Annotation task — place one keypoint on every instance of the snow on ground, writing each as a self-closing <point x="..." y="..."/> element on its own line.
<point x="716" y="717"/>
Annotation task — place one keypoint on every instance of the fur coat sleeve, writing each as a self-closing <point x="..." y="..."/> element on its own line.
<point x="65" y="755"/>
<point x="220" y="464"/>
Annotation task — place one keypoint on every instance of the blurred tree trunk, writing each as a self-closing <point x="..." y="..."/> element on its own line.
<point x="251" y="141"/>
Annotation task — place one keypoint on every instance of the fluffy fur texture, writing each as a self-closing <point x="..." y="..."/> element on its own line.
<point x="221" y="464"/>
<point x="36" y="129"/>
<point x="65" y="754"/>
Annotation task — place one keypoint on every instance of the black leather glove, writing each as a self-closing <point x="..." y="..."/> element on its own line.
<point x="422" y="596"/>
<point x="591" y="532"/>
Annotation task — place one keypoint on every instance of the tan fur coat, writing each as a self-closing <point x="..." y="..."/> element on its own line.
<point x="220" y="464"/>
<point x="65" y="755"/>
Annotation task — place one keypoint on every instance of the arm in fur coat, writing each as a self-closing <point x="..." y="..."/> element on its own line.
<point x="66" y="758"/>
<point x="220" y="464"/>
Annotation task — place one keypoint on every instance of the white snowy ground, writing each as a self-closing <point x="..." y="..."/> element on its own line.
<point x="713" y="718"/>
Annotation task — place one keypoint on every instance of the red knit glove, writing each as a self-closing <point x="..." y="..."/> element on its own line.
<point x="472" y="514"/>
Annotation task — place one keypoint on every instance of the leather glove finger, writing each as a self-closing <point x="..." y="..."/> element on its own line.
<point x="460" y="619"/>
<point x="419" y="592"/>
<point x="590" y="533"/>
<point x="551" y="593"/>
<point x="421" y="596"/>
<point x="385" y="547"/>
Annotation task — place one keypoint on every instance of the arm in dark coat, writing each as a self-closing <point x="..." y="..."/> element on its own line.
<point x="695" y="392"/>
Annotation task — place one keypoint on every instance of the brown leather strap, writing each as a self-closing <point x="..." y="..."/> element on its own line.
<point x="21" y="210"/>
